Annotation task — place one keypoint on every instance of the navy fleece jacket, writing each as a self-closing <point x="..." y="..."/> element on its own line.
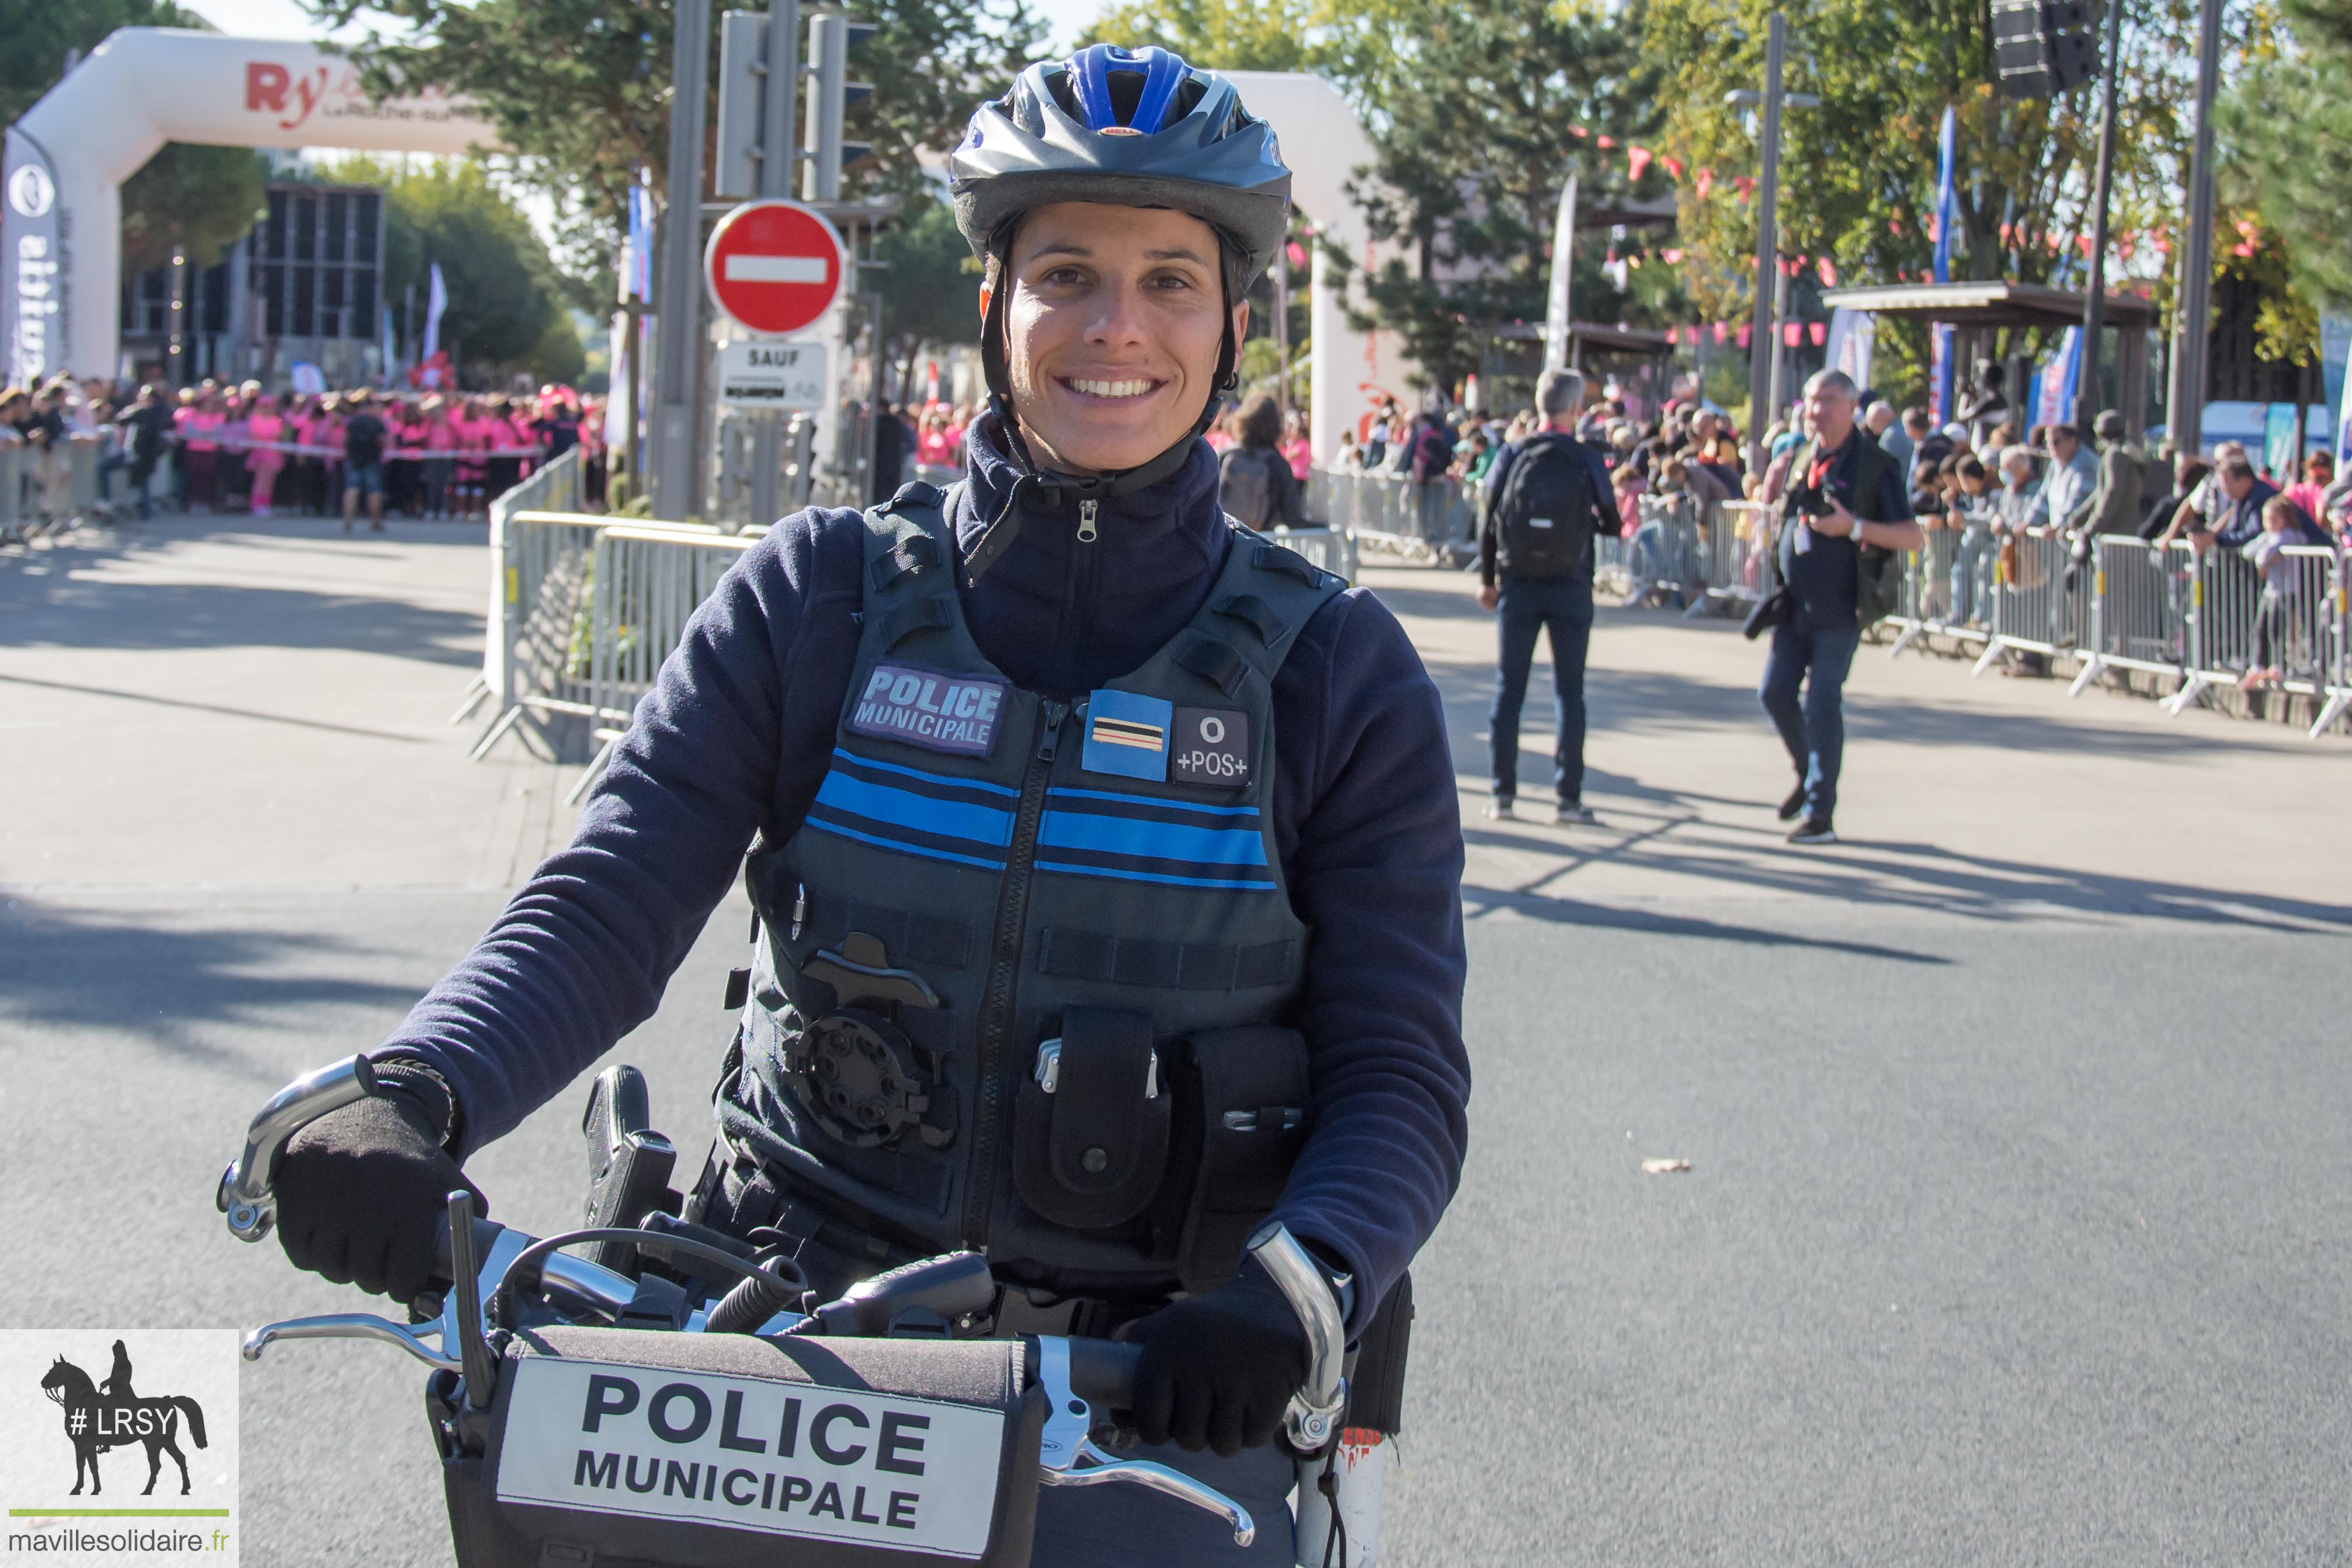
<point x="736" y="735"/>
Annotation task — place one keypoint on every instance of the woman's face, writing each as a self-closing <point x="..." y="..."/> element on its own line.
<point x="1112" y="332"/>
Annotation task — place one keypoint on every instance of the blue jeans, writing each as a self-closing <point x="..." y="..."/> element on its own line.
<point x="1530" y="605"/>
<point x="1813" y="728"/>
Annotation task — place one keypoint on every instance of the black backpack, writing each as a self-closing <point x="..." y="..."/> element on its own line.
<point x="1547" y="513"/>
<point x="1246" y="485"/>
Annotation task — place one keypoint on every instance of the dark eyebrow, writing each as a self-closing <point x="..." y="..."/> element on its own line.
<point x="1065" y="247"/>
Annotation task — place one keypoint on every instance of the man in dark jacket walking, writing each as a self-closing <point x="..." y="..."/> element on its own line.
<point x="1537" y="589"/>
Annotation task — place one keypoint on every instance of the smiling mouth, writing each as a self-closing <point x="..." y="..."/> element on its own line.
<point x="1112" y="390"/>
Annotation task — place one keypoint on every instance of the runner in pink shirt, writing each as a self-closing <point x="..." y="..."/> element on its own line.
<point x="266" y="422"/>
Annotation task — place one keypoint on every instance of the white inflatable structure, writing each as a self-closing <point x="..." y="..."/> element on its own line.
<point x="1325" y="144"/>
<point x="60" y="201"/>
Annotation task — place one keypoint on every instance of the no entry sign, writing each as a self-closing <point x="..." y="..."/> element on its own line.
<point x="774" y="265"/>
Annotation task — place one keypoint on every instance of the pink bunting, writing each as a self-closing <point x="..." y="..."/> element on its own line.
<point x="1743" y="186"/>
<point x="1673" y="167"/>
<point x="1791" y="332"/>
<point x="1723" y="330"/>
<point x="1674" y="335"/>
<point x="1605" y="141"/>
<point x="1671" y="257"/>
<point x="1297" y="252"/>
<point x="1705" y="182"/>
<point x="1819" y="332"/>
<point x="1636" y="159"/>
<point x="1744" y="333"/>
<point x="2083" y="243"/>
<point x="1828" y="273"/>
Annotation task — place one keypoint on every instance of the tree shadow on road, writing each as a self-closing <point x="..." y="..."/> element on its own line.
<point x="137" y="977"/>
<point x="61" y="612"/>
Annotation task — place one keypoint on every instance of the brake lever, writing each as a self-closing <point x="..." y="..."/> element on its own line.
<point x="349" y="1325"/>
<point x="1067" y="1456"/>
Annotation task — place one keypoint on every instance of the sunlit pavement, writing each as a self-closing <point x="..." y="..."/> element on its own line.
<point x="2016" y="1225"/>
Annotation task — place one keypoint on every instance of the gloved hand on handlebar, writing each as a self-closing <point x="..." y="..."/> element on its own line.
<point x="1218" y="1369"/>
<point x="361" y="1190"/>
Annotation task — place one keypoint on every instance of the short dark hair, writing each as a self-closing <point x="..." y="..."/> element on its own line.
<point x="1915" y="416"/>
<point x="1261" y="420"/>
<point x="1969" y="467"/>
<point x="2109" y="424"/>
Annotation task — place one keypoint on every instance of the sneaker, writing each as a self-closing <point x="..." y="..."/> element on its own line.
<point x="1794" y="803"/>
<point x="1573" y="814"/>
<point x="1499" y="810"/>
<point x="1813" y="831"/>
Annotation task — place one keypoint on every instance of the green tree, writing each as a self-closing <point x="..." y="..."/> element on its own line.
<point x="580" y="89"/>
<point x="203" y="199"/>
<point x="1478" y="111"/>
<point x="1858" y="173"/>
<point x="930" y="283"/>
<point x="2288" y="124"/>
<point x="1223" y="34"/>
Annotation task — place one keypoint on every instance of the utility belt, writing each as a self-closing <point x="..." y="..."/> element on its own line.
<point x="1140" y="1163"/>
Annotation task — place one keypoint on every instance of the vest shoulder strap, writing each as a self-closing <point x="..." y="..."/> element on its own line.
<point x="1254" y="614"/>
<point x="910" y="561"/>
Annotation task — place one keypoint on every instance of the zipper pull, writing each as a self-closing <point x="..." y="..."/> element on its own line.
<point x="1055" y="714"/>
<point x="1088" y="533"/>
<point x="800" y="911"/>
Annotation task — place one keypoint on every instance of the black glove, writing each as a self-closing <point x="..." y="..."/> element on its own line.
<point x="1218" y="1369"/>
<point x="361" y="1190"/>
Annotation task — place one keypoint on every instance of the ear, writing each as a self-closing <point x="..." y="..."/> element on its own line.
<point x="1241" y="324"/>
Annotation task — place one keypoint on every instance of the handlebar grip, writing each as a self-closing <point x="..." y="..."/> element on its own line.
<point x="243" y="1194"/>
<point x="486" y="1235"/>
<point x="1102" y="1372"/>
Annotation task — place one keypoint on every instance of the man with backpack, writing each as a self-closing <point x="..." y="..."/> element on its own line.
<point x="1548" y="498"/>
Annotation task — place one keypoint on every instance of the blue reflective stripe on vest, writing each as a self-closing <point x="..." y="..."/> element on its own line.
<point x="1158" y="841"/>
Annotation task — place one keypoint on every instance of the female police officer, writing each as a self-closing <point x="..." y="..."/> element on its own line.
<point x="1108" y="859"/>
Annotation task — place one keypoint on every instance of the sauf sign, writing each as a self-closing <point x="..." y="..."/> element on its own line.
<point x="783" y="1459"/>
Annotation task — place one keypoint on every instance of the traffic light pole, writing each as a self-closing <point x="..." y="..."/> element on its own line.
<point x="776" y="164"/>
<point x="2186" y="418"/>
<point x="1763" y="333"/>
<point x="679" y="335"/>
<point x="2094" y="294"/>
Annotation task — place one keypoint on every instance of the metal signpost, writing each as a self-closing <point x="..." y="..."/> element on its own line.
<point x="775" y="268"/>
<point x="677" y="324"/>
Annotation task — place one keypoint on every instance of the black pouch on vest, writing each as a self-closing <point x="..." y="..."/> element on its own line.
<point x="1244" y="1099"/>
<point x="630" y="1449"/>
<point x="1090" y="1127"/>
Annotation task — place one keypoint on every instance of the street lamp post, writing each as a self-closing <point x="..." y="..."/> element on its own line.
<point x="2095" y="295"/>
<point x="1763" y="331"/>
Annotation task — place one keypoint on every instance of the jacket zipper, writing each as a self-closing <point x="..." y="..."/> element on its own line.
<point x="1005" y="967"/>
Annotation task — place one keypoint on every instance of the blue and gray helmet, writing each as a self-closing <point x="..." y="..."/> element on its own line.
<point x="1130" y="128"/>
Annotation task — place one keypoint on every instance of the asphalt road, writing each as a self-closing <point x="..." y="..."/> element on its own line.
<point x="2016" y="1225"/>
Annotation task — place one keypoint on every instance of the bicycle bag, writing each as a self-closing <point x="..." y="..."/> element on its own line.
<point x="620" y="1448"/>
<point x="1547" y="512"/>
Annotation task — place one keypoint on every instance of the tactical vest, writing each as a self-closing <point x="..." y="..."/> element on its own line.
<point x="1028" y="969"/>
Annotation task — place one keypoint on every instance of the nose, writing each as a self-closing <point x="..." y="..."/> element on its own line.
<point x="1117" y="321"/>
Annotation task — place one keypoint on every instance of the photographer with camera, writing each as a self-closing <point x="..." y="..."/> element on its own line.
<point x="1846" y="516"/>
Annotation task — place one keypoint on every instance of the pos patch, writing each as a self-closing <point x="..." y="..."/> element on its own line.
<point x="939" y="712"/>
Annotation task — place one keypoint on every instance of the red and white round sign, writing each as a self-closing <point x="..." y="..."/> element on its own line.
<point x="774" y="265"/>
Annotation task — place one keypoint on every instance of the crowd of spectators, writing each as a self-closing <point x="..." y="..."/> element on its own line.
<point x="226" y="447"/>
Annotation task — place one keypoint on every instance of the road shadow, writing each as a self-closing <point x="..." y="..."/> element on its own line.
<point x="133" y="975"/>
<point x="56" y="609"/>
<point x="1483" y="900"/>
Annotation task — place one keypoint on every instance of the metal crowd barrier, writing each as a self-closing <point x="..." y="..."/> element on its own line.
<point x="2198" y="615"/>
<point x="1947" y="585"/>
<point x="2041" y="602"/>
<point x="646" y="579"/>
<point x="12" y="480"/>
<point x="1436" y="521"/>
<point x="554" y="488"/>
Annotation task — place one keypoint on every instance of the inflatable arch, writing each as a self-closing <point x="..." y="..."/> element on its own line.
<point x="61" y="193"/>
<point x="61" y="211"/>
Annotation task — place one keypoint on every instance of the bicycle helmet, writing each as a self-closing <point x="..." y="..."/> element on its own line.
<point x="1127" y="128"/>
